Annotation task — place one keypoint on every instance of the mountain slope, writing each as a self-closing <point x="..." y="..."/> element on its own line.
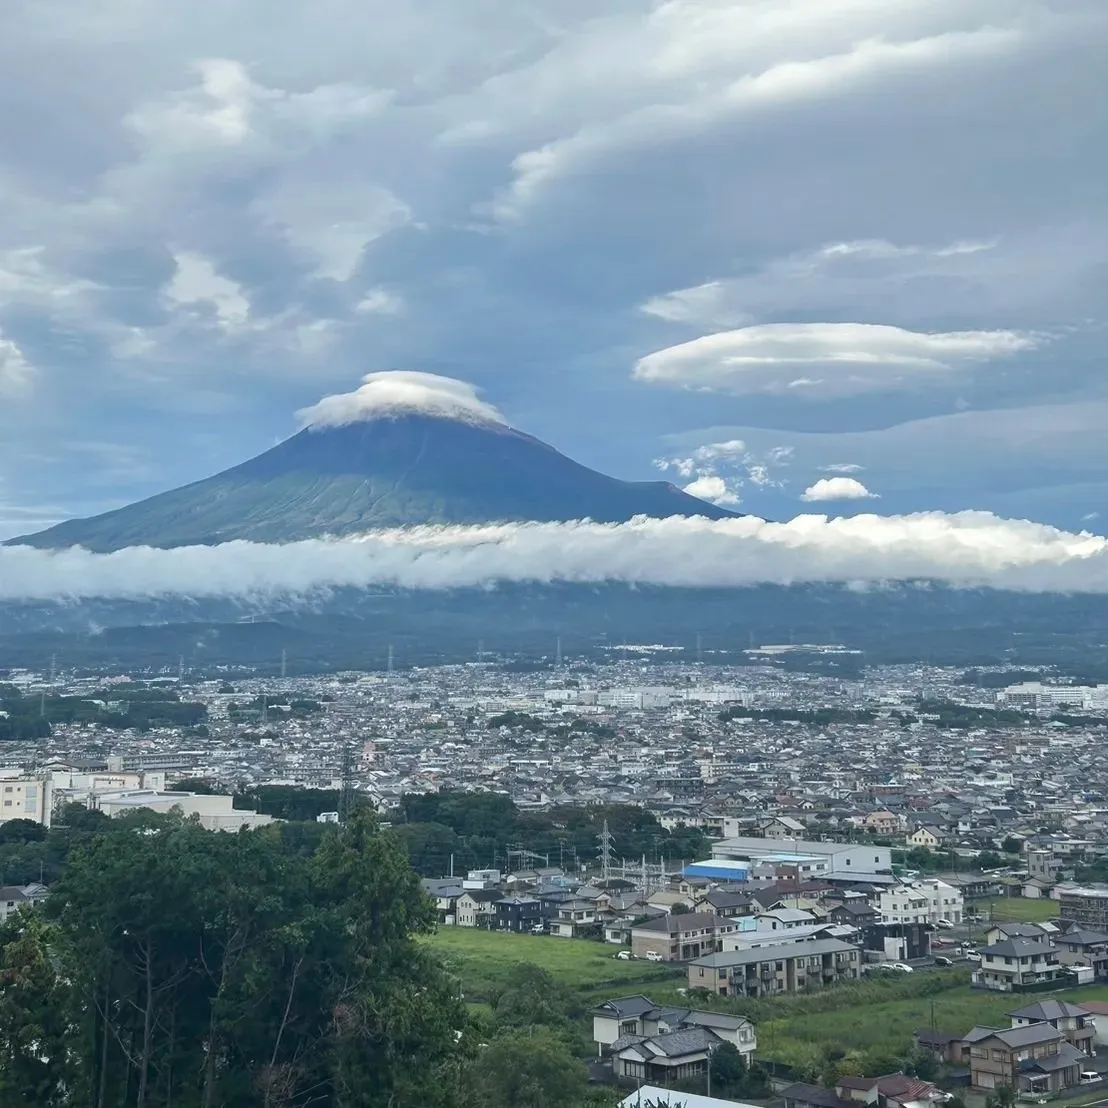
<point x="394" y="471"/>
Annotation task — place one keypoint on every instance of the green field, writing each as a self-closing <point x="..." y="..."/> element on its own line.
<point x="483" y="961"/>
<point x="1014" y="909"/>
<point x="888" y="1026"/>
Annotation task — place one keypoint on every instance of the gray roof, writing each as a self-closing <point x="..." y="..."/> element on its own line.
<point x="1046" y="1010"/>
<point x="1018" y="948"/>
<point x="1016" y="1037"/>
<point x="625" y="1007"/>
<point x="690" y="921"/>
<point x="693" y="1040"/>
<point x="1067" y="1056"/>
<point x="778" y="951"/>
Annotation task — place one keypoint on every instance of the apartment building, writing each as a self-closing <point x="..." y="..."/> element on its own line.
<point x="926" y="901"/>
<point x="1086" y="906"/>
<point x="771" y="970"/>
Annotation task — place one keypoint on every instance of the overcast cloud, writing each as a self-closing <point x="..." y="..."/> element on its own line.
<point x="846" y="233"/>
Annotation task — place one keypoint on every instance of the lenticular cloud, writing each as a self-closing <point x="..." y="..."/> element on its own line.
<point x="967" y="549"/>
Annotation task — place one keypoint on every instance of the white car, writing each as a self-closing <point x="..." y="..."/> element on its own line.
<point x="900" y="967"/>
<point x="652" y="956"/>
<point x="623" y="955"/>
<point x="945" y="924"/>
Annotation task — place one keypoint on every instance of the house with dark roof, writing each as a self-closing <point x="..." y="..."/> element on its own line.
<point x="895" y="1090"/>
<point x="1014" y="964"/>
<point x="1077" y="1024"/>
<point x="639" y="1017"/>
<point x="665" y="1059"/>
<point x="682" y="937"/>
<point x="786" y="967"/>
<point x="1035" y="1058"/>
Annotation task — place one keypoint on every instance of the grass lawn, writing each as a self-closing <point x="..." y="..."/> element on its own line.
<point x="483" y="961"/>
<point x="1015" y="909"/>
<point x="888" y="1026"/>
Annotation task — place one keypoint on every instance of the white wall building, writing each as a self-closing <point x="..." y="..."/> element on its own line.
<point x="924" y="901"/>
<point x="216" y="813"/>
<point x="25" y="796"/>
<point x="810" y="858"/>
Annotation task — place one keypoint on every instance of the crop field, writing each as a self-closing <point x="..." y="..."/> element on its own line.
<point x="1015" y="909"/>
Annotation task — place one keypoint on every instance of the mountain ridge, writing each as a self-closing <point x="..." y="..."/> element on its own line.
<point x="400" y="470"/>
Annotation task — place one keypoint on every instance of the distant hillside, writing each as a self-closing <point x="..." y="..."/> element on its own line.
<point x="394" y="471"/>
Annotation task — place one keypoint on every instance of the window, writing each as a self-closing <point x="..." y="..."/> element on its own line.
<point x="877" y="857"/>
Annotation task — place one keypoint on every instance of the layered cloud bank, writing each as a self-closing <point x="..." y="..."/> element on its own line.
<point x="967" y="549"/>
<point x="400" y="392"/>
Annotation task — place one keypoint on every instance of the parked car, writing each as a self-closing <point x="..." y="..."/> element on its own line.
<point x="900" y="967"/>
<point x="652" y="956"/>
<point x="1089" y="1076"/>
<point x="972" y="956"/>
<point x="539" y="929"/>
<point x="623" y="955"/>
<point x="943" y="960"/>
<point x="945" y="924"/>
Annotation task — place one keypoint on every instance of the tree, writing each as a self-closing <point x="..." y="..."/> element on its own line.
<point x="21" y="831"/>
<point x="729" y="1070"/>
<point x="1012" y="845"/>
<point x="206" y="969"/>
<point x="533" y="998"/>
<point x="533" y="1071"/>
<point x="36" y="1065"/>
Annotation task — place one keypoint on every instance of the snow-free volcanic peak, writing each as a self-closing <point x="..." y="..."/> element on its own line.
<point x="405" y="449"/>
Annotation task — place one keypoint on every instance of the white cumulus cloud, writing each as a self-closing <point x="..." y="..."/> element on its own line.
<point x="396" y="392"/>
<point x="825" y="359"/>
<point x="837" y="488"/>
<point x="967" y="549"/>
<point x="714" y="489"/>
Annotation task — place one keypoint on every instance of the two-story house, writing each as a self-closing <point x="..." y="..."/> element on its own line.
<point x="1034" y="1058"/>
<point x="518" y="913"/>
<point x="1077" y="1024"/>
<point x="574" y="917"/>
<point x="895" y="1090"/>
<point x="638" y="1016"/>
<point x="679" y="938"/>
<point x="926" y="836"/>
<point x="476" y="908"/>
<point x="1079" y="947"/>
<point x="1012" y="964"/>
<point x="781" y="968"/>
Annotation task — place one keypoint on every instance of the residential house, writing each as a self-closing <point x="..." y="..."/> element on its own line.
<point x="725" y="903"/>
<point x="639" y="1016"/>
<point x="883" y="823"/>
<point x="1076" y="1023"/>
<point x="682" y="937"/>
<point x="12" y="898"/>
<point x="894" y="1090"/>
<point x="1033" y="1059"/>
<point x="476" y="908"/>
<point x="930" y="837"/>
<point x="1078" y="947"/>
<point x="1013" y="964"/>
<point x="574" y="917"/>
<point x="518" y="913"/>
<point x="784" y="919"/>
<point x="665" y="1059"/>
<point x="782" y="968"/>
<point x="782" y="827"/>
<point x="658" y="1097"/>
<point x="856" y="913"/>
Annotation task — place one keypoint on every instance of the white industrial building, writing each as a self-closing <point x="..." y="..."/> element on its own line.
<point x="809" y="859"/>
<point x="1036" y="696"/>
<point x="216" y="813"/>
<point x="25" y="796"/>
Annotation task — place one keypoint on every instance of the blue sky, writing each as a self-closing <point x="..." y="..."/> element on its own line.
<point x="787" y="249"/>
